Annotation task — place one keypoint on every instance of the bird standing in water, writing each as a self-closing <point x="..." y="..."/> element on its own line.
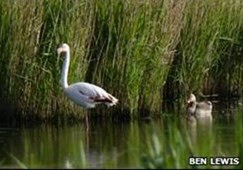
<point x="84" y="94"/>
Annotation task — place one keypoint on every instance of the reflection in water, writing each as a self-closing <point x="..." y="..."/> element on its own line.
<point x="110" y="145"/>
<point x="199" y="127"/>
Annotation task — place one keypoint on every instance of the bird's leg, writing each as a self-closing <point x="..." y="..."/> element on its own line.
<point x="86" y="120"/>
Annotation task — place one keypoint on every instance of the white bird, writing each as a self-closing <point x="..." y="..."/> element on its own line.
<point x="84" y="94"/>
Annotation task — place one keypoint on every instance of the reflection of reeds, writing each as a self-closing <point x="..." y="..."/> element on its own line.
<point x="46" y="147"/>
<point x="18" y="162"/>
<point x="173" y="148"/>
<point x="140" y="51"/>
<point x="166" y="143"/>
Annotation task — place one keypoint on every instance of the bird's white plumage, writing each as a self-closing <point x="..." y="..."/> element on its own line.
<point x="85" y="94"/>
<point x="88" y="95"/>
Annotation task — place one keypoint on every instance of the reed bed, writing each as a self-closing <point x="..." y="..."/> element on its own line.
<point x="143" y="52"/>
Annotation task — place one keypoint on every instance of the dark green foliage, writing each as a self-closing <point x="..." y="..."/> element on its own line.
<point x="142" y="52"/>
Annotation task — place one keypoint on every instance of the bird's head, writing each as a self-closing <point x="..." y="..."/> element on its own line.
<point x="191" y="98"/>
<point x="62" y="48"/>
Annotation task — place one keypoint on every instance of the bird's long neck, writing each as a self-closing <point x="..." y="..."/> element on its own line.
<point x="65" y="68"/>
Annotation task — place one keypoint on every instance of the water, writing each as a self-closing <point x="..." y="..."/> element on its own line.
<point x="115" y="145"/>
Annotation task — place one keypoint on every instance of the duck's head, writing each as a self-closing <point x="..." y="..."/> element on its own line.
<point x="191" y="98"/>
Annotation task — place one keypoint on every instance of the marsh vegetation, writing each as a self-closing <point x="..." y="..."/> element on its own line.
<point x="143" y="52"/>
<point x="149" y="54"/>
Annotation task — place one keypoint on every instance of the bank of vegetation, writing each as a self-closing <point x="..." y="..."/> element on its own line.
<point x="143" y="52"/>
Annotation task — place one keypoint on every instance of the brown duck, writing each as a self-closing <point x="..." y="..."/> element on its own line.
<point x="198" y="110"/>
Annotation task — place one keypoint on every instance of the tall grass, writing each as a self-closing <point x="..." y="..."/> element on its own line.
<point x="142" y="52"/>
<point x="31" y="70"/>
<point x="209" y="53"/>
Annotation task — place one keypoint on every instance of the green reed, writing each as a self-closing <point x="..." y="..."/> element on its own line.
<point x="32" y="73"/>
<point x="142" y="52"/>
<point x="209" y="56"/>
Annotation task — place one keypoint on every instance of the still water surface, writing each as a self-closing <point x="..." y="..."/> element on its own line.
<point x="106" y="145"/>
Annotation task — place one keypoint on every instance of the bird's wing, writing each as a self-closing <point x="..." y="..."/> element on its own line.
<point x="204" y="105"/>
<point x="93" y="92"/>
